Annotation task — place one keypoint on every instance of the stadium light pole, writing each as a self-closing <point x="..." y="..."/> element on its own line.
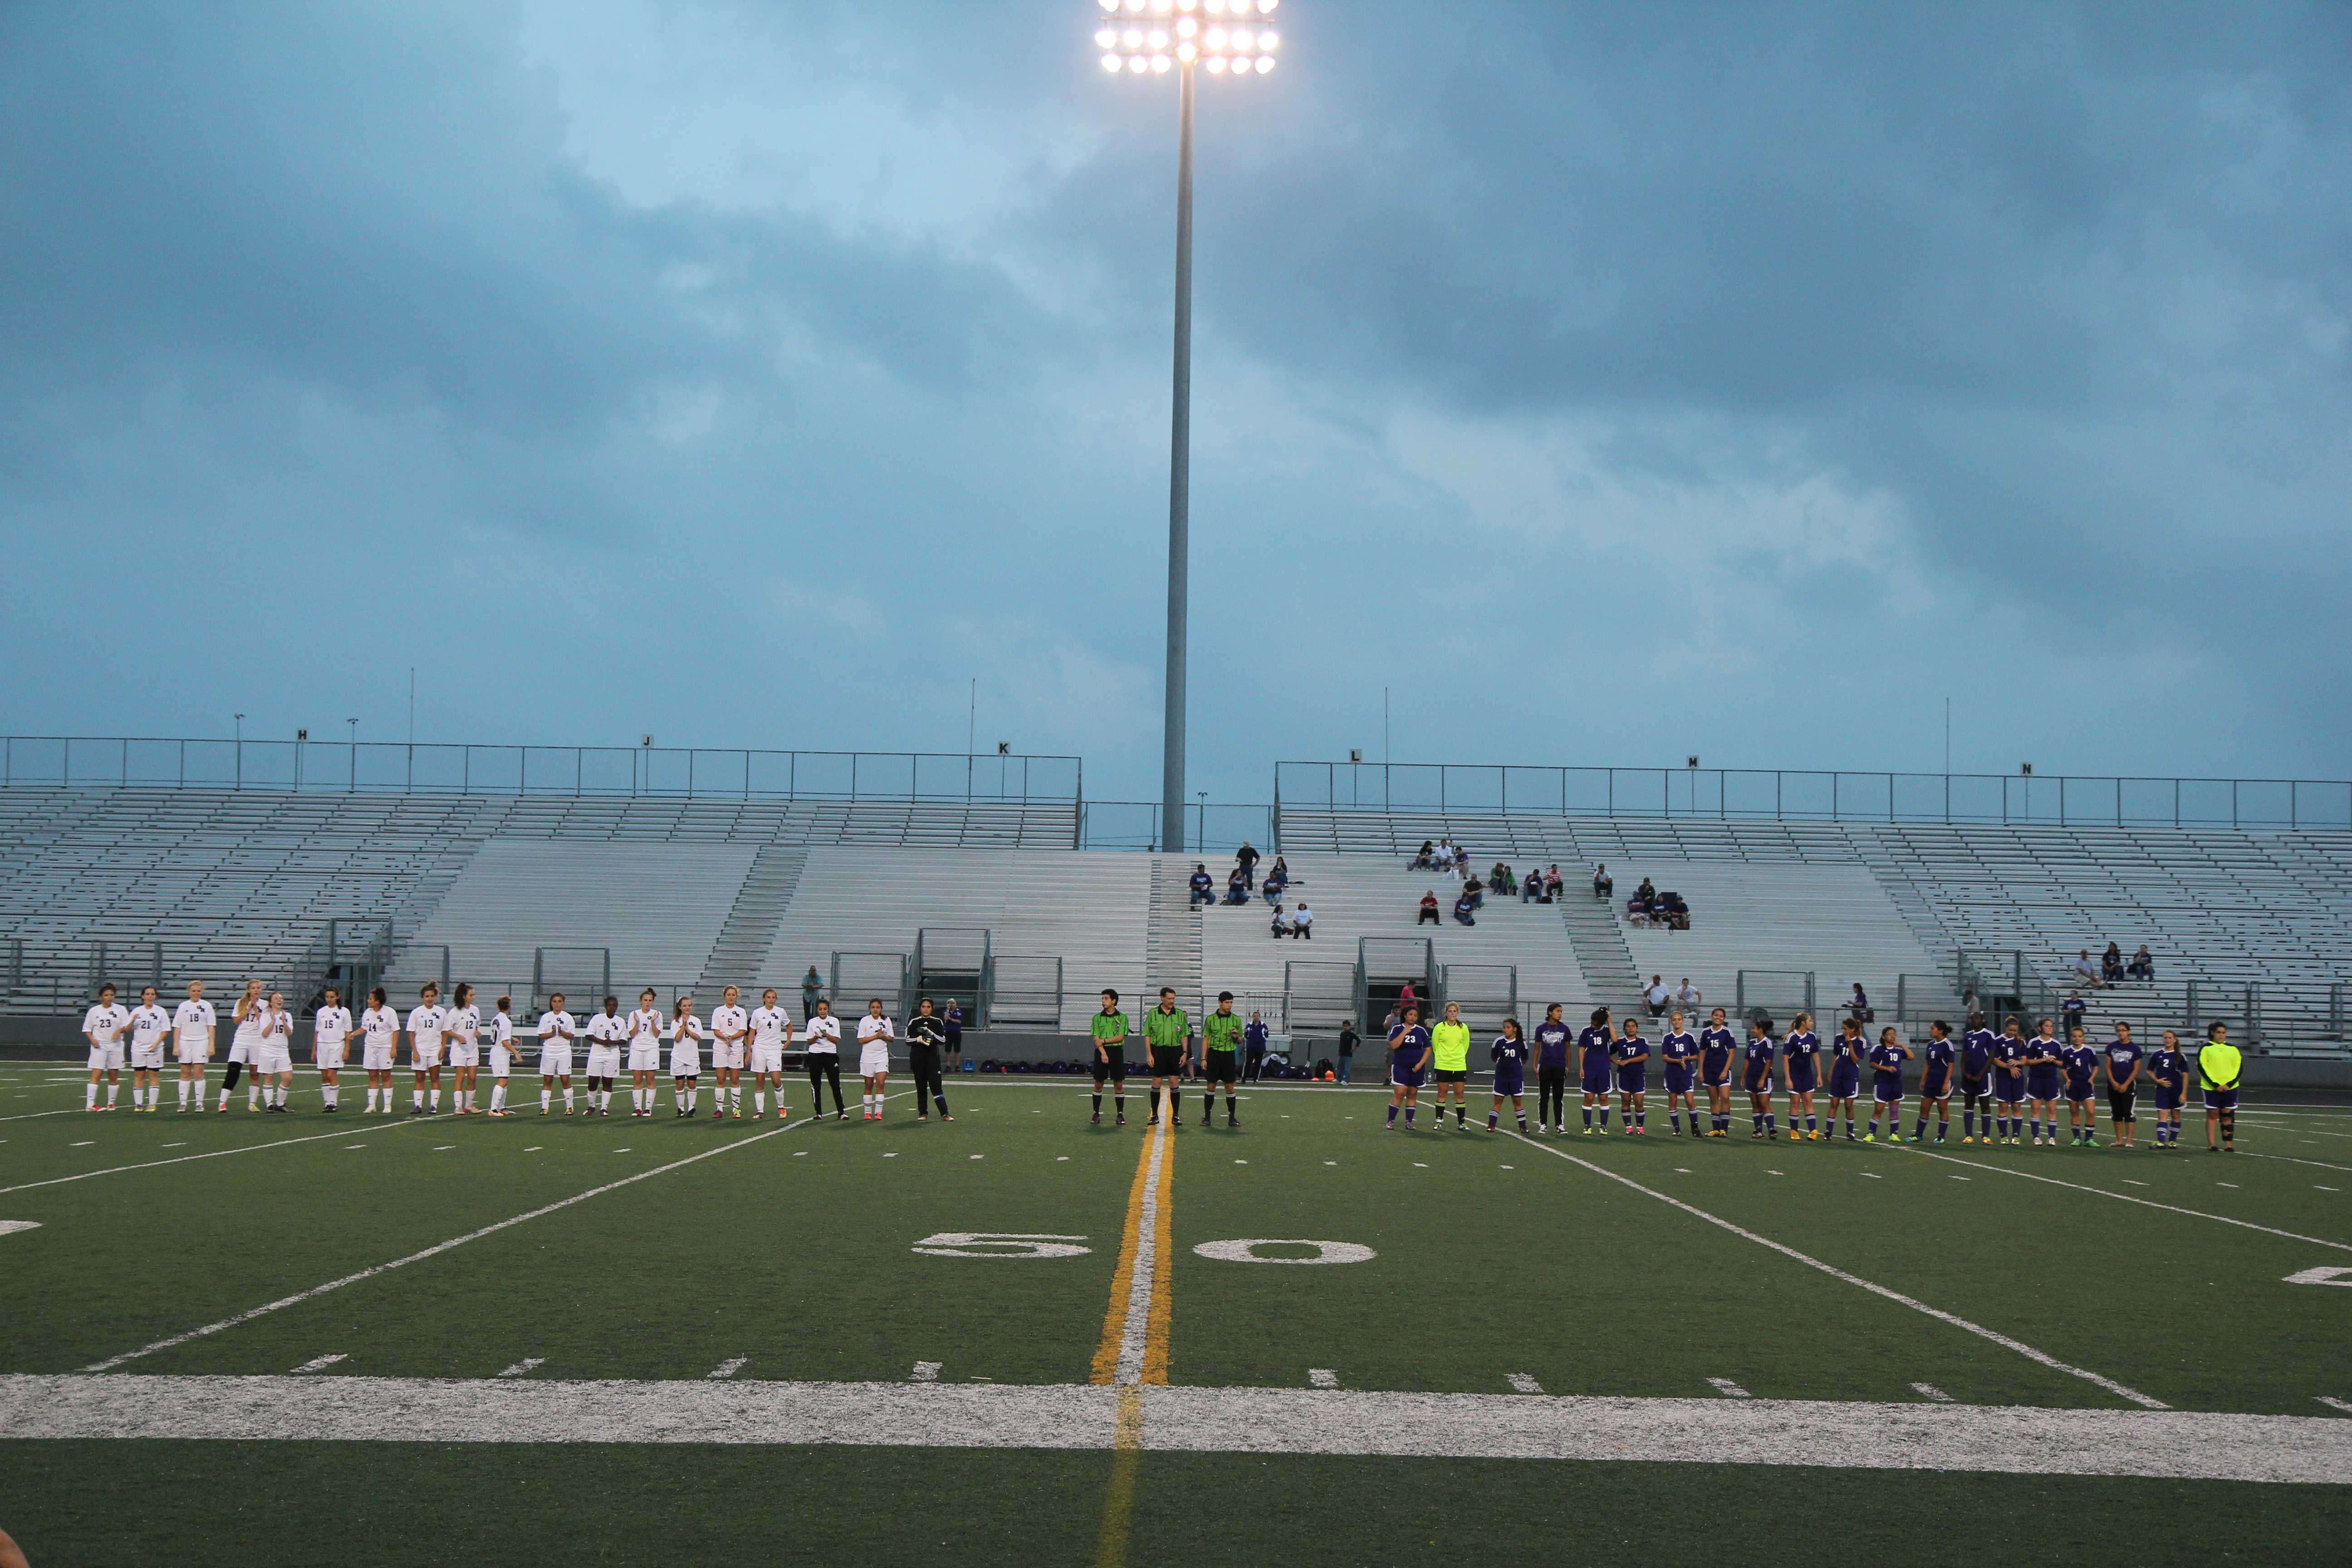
<point x="1229" y="38"/>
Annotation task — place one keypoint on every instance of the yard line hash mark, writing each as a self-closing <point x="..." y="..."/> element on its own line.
<point x="323" y="1363"/>
<point x="1929" y="1391"/>
<point x="726" y="1368"/>
<point x="524" y="1366"/>
<point x="925" y="1372"/>
<point x="1728" y="1389"/>
<point x="1524" y="1383"/>
<point x="1322" y="1377"/>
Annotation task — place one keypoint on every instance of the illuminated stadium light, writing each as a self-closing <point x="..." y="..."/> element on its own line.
<point x="1153" y="38"/>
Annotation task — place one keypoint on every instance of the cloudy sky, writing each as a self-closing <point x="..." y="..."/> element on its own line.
<point x="1607" y="382"/>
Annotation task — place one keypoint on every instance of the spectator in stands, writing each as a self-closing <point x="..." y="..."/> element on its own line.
<point x="1670" y="911"/>
<point x="1637" y="908"/>
<point x="1427" y="859"/>
<point x="1499" y="878"/>
<point x="1270" y="890"/>
<point x="1281" y="872"/>
<point x="1532" y="886"/>
<point x="2087" y="973"/>
<point x="1551" y="882"/>
<point x="1603" y="884"/>
<point x="1474" y="891"/>
<point x="1204" y="886"/>
<point x="1647" y="893"/>
<point x="2143" y="965"/>
<point x="1246" y="861"/>
<point x="1465" y="910"/>
<point x="1236" y="891"/>
<point x="812" y="987"/>
<point x="1655" y="996"/>
<point x="1428" y="915"/>
<point x="2111" y="964"/>
<point x="1686" y="997"/>
<point x="1406" y="998"/>
<point x="1281" y="924"/>
<point x="1857" y="1007"/>
<point x="1253" y="1038"/>
<point x="2072" y="1009"/>
<point x="1302" y="922"/>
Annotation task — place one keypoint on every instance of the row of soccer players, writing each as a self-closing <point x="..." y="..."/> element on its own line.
<point x="741" y="1042"/>
<point x="2010" y="1085"/>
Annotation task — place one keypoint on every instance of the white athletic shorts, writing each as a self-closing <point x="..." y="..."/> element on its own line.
<point x="421" y="1057"/>
<point x="105" y="1056"/>
<point x="554" y="1060"/>
<point x="723" y="1055"/>
<point x="236" y="1051"/>
<point x="767" y="1059"/>
<point x="685" y="1059"/>
<point x="501" y="1062"/>
<point x="151" y="1058"/>
<point x="872" y="1057"/>
<point x="603" y="1061"/>
<point x="462" y="1055"/>
<point x="331" y="1054"/>
<point x="273" y="1059"/>
<point x="645" y="1056"/>
<point x="376" y="1057"/>
<point x="191" y="1055"/>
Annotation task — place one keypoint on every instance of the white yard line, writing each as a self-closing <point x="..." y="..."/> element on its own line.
<point x="1523" y="1382"/>
<point x="2343" y="1404"/>
<point x="2127" y="1198"/>
<point x="1728" y="1389"/>
<point x="323" y="1363"/>
<point x="2291" y="1160"/>
<point x="727" y="1368"/>
<point x="1322" y="1377"/>
<point x="184" y="1159"/>
<point x="29" y="1115"/>
<point x="522" y="1368"/>
<point x="434" y="1251"/>
<point x="1909" y="1436"/>
<point x="2019" y="1346"/>
<point x="1929" y="1391"/>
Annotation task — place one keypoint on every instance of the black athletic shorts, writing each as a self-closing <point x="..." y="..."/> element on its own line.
<point x="1114" y="1067"/>
<point x="1449" y="1075"/>
<point x="1167" y="1061"/>
<point x="1221" y="1066"/>
<point x="2119" y="1104"/>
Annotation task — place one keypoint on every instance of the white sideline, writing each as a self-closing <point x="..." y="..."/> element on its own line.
<point x="434" y="1251"/>
<point x="1954" y="1319"/>
<point x="213" y="1154"/>
<point x="2127" y="1198"/>
<point x="1996" y="1438"/>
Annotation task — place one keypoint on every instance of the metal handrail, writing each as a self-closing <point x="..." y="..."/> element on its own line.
<point x="1783" y="795"/>
<point x="625" y="771"/>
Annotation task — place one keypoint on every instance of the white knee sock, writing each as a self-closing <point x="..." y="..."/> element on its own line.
<point x="546" y="1098"/>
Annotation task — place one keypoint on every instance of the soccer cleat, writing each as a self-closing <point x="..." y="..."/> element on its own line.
<point x="1122" y="1121"/>
<point x="1097" y="1121"/>
<point x="717" y="1115"/>
<point x="738" y="1114"/>
<point x="1587" y="1133"/>
<point x="1965" y="1139"/>
<point x="1870" y="1137"/>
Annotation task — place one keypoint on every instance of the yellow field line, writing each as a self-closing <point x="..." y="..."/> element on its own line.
<point x="1134" y="1348"/>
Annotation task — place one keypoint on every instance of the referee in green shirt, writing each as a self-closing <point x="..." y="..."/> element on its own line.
<point x="1110" y="1057"/>
<point x="1221" y="1042"/>
<point x="1168" y="1033"/>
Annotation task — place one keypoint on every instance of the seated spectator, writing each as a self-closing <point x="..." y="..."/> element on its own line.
<point x="1857" y="1007"/>
<point x="1655" y="996"/>
<point x="1603" y="884"/>
<point x="1465" y="910"/>
<point x="2143" y="965"/>
<point x="2111" y="964"/>
<point x="1281" y="926"/>
<point x="1302" y="922"/>
<point x="1551" y="882"/>
<point x="1271" y="891"/>
<point x="1647" y="893"/>
<point x="1502" y="881"/>
<point x="2072" y="1010"/>
<point x="1532" y="887"/>
<point x="1476" y="892"/>
<point x="1637" y="909"/>
<point x="1428" y="915"/>
<point x="1686" y="997"/>
<point x="1236" y="893"/>
<point x="1204" y="886"/>
<point x="2085" y="972"/>
<point x="1427" y="859"/>
<point x="1670" y="911"/>
<point x="1281" y="872"/>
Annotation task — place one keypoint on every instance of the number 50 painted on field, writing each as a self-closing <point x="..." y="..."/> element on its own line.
<point x="1010" y="1243"/>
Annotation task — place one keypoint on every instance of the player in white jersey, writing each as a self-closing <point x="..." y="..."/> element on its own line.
<point x="502" y="1054"/>
<point x="461" y="1032"/>
<point x="557" y="1030"/>
<point x="273" y="1054"/>
<point x="822" y="1051"/>
<point x="426" y="1021"/>
<point x="731" y="1030"/>
<point x="685" y="1053"/>
<point x="772" y="1031"/>
<point x="331" y="1035"/>
<point x="874" y="1033"/>
<point x="241" y="1043"/>
<point x="191" y="1042"/>
<point x="148" y="1024"/>
<point x="644" y="1027"/>
<point x="102" y="1026"/>
<point x="379" y="1042"/>
<point x="607" y="1030"/>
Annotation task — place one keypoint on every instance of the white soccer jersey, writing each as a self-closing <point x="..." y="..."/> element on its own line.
<point x="770" y="1027"/>
<point x="148" y="1024"/>
<point x="501" y="1045"/>
<point x="426" y="1023"/>
<point x="107" y="1020"/>
<point x="824" y="1038"/>
<point x="192" y="1025"/>
<point x="608" y="1029"/>
<point x="870" y="1028"/>
<point x="330" y="1027"/>
<point x="551" y="1024"/>
<point x="874" y="1038"/>
<point x="247" y="1038"/>
<point x="274" y="1051"/>
<point x="726" y="1021"/>
<point x="462" y="1023"/>
<point x="685" y="1049"/>
<point x="379" y="1025"/>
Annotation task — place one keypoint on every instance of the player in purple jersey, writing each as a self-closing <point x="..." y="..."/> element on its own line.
<point x="1756" y="1076"/>
<point x="1679" y="1052"/>
<point x="1800" y="1061"/>
<point x="1409" y="1054"/>
<point x="2042" y="1084"/>
<point x="2120" y="1063"/>
<point x="2009" y="1054"/>
<point x="1552" y="1039"/>
<point x="2167" y="1075"/>
<point x="1631" y="1055"/>
<point x="2081" y="1061"/>
<point x="1936" y="1081"/>
<point x="1976" y="1079"/>
<point x="1886" y="1060"/>
<point x="1592" y="1047"/>
<point x="1845" y="1074"/>
<point x="1716" y="1045"/>
<point x="1509" y="1054"/>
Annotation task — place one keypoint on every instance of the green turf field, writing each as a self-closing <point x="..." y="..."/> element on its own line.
<point x="656" y="1342"/>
